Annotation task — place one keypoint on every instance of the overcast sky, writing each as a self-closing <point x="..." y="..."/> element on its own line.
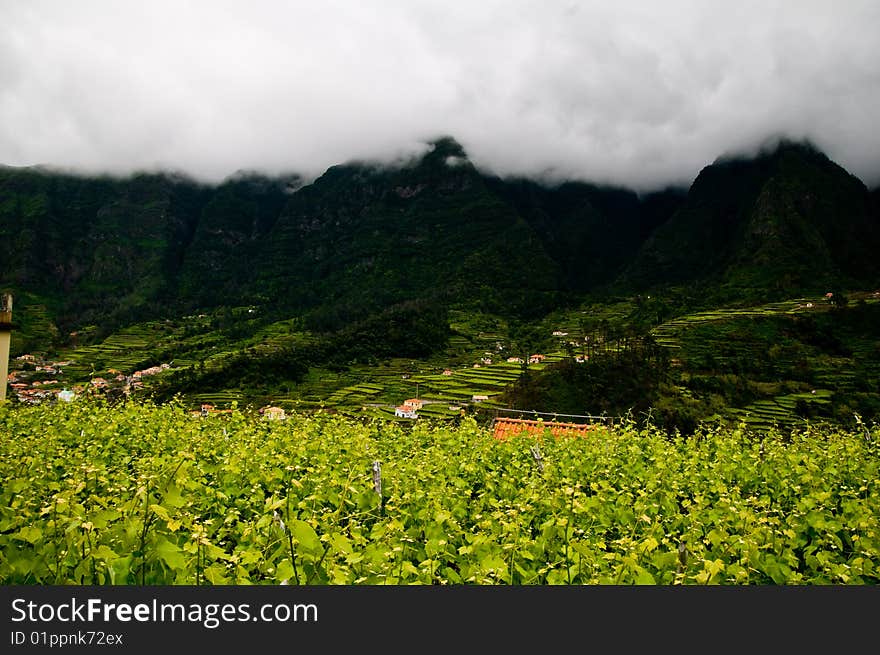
<point x="636" y="93"/>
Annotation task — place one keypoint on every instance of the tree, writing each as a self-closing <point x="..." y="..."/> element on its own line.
<point x="839" y="299"/>
<point x="526" y="340"/>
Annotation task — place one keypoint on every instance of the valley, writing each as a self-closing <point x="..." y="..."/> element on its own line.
<point x="751" y="296"/>
<point x="774" y="364"/>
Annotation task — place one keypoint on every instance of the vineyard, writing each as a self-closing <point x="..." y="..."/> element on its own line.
<point x="142" y="494"/>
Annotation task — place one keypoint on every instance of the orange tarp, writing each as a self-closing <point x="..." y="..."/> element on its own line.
<point x="507" y="427"/>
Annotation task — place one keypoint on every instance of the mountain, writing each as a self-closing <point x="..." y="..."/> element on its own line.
<point x="359" y="238"/>
<point x="231" y="226"/>
<point x="94" y="248"/>
<point x="875" y="201"/>
<point x="363" y="237"/>
<point x="785" y="221"/>
<point x="592" y="231"/>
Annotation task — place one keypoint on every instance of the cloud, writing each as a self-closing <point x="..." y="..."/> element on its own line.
<point x="641" y="94"/>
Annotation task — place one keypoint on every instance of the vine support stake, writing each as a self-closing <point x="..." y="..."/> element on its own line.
<point x="5" y="339"/>
<point x="539" y="459"/>
<point x="377" y="479"/>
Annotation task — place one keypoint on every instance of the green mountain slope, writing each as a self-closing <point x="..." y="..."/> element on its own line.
<point x="228" y="237"/>
<point x="788" y="220"/>
<point x="95" y="249"/>
<point x="592" y="231"/>
<point x="359" y="238"/>
<point x="363" y="237"/>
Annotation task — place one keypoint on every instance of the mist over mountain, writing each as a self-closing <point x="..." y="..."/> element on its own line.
<point x="365" y="236"/>
<point x="633" y="94"/>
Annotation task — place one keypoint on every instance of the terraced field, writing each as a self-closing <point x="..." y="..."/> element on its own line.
<point x="668" y="333"/>
<point x="187" y="342"/>
<point x="752" y="342"/>
<point x="787" y="379"/>
<point x="780" y="411"/>
<point x="34" y="324"/>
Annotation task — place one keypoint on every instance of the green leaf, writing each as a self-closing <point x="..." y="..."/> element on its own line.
<point x="172" y="497"/>
<point x="102" y="518"/>
<point x="119" y="570"/>
<point x="160" y="511"/>
<point x="170" y="554"/>
<point x="408" y="569"/>
<point x="102" y="552"/>
<point x="29" y="533"/>
<point x="249" y="556"/>
<point x="665" y="561"/>
<point x="341" y="543"/>
<point x="284" y="571"/>
<point x="215" y="552"/>
<point x="717" y="537"/>
<point x="215" y="574"/>
<point x="492" y="563"/>
<point x="644" y="578"/>
<point x="306" y="538"/>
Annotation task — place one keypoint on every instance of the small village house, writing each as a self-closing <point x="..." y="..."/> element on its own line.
<point x="273" y="413"/>
<point x="405" y="411"/>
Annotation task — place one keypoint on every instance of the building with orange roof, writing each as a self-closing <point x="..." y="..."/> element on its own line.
<point x="508" y="427"/>
<point x="405" y="411"/>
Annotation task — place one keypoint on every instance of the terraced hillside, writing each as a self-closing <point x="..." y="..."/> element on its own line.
<point x="770" y="364"/>
<point x="780" y="362"/>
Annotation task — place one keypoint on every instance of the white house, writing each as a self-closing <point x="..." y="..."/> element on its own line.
<point x="405" y="411"/>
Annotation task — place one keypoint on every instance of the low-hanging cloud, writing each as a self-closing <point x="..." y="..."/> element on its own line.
<point x="634" y="93"/>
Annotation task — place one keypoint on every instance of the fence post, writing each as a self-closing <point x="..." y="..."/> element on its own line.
<point x="5" y="338"/>
<point x="377" y="479"/>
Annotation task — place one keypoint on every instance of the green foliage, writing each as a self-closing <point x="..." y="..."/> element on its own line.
<point x="613" y="382"/>
<point x="788" y="221"/>
<point x="359" y="239"/>
<point x="410" y="329"/>
<point x="151" y="495"/>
